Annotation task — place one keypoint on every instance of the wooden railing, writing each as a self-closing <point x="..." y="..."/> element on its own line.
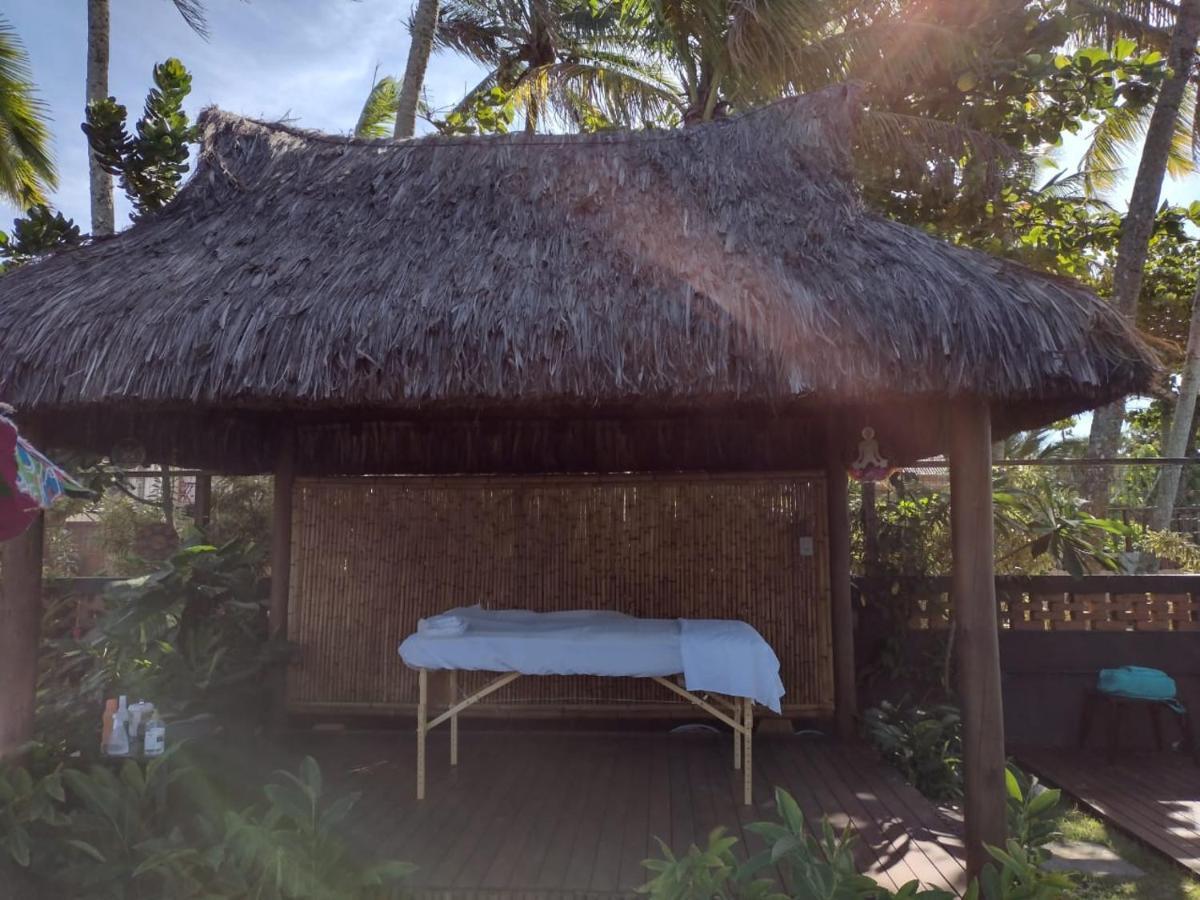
<point x="1058" y="602"/>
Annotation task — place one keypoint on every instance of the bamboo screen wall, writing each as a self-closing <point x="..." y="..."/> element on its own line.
<point x="372" y="555"/>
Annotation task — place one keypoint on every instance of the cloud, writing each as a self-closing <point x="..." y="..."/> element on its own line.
<point x="311" y="61"/>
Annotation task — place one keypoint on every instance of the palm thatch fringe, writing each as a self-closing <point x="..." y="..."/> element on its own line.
<point x="728" y="263"/>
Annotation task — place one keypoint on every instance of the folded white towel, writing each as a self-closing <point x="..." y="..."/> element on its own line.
<point x="442" y="626"/>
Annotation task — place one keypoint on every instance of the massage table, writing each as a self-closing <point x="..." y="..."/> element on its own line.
<point x="725" y="665"/>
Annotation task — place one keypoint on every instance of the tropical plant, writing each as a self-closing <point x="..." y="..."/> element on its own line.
<point x="812" y="868"/>
<point x="38" y="232"/>
<point x="1138" y="225"/>
<point x="1040" y="517"/>
<point x="27" y="805"/>
<point x="923" y="743"/>
<point x="560" y="61"/>
<point x="1032" y="808"/>
<point x="98" y="39"/>
<point x="1016" y="874"/>
<point x="150" y="164"/>
<point x="191" y="638"/>
<point x="26" y="168"/>
<point x="113" y="834"/>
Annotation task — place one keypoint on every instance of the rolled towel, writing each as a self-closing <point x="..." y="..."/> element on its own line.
<point x="442" y="626"/>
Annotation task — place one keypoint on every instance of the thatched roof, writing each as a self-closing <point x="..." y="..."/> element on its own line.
<point x="722" y="264"/>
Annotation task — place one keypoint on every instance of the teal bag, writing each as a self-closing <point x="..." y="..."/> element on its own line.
<point x="1139" y="683"/>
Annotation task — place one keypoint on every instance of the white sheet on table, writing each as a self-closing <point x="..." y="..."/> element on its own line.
<point x="718" y="655"/>
<point x="726" y="656"/>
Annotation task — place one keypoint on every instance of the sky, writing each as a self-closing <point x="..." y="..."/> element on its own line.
<point x="309" y="61"/>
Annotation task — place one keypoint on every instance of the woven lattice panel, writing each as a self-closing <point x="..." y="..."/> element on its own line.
<point x="372" y="555"/>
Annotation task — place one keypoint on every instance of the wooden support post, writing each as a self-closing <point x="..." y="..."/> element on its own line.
<point x="281" y="566"/>
<point x="976" y="638"/>
<point x="837" y="497"/>
<point x="20" y="635"/>
<point x="422" y="719"/>
<point x="202" y="505"/>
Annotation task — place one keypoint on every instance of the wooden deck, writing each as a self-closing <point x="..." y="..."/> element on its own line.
<point x="565" y="814"/>
<point x="1154" y="797"/>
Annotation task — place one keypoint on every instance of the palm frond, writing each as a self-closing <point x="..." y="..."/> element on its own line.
<point x="1073" y="187"/>
<point x="469" y="28"/>
<point x="1104" y="21"/>
<point x="193" y="13"/>
<point x="26" y="168"/>
<point x="1116" y="135"/>
<point x="379" y="111"/>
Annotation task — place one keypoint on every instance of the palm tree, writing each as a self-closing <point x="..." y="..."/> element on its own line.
<point x="560" y="59"/>
<point x="1132" y="248"/>
<point x="192" y="11"/>
<point x="26" y="169"/>
<point x="421" y="31"/>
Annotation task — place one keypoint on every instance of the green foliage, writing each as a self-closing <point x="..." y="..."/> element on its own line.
<point x="27" y="804"/>
<point x="484" y="112"/>
<point x="150" y="164"/>
<point x="1015" y="874"/>
<point x="119" y="519"/>
<point x="563" y="63"/>
<point x="191" y="638"/>
<point x="1032" y="810"/>
<point x="26" y="167"/>
<point x="1043" y="517"/>
<point x="37" y="233"/>
<point x="923" y="743"/>
<point x="812" y="868"/>
<point x="113" y="834"/>
<point x="241" y="510"/>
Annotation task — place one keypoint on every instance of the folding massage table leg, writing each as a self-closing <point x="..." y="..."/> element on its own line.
<point x="747" y="768"/>
<point x="422" y="719"/>
<point x="453" y="718"/>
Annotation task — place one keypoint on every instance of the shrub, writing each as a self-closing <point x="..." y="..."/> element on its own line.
<point x="923" y="743"/>
<point x="111" y="834"/>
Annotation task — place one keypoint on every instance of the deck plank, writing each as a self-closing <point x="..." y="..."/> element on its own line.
<point x="1155" y="797"/>
<point x="536" y="815"/>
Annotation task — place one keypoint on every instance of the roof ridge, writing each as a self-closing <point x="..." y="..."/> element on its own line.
<point x="212" y="114"/>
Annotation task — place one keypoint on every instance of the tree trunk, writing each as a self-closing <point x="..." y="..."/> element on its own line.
<point x="1139" y="224"/>
<point x="103" y="217"/>
<point x="1181" y="423"/>
<point x="421" y="44"/>
<point x="21" y="615"/>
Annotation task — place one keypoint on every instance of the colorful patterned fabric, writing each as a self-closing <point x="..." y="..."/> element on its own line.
<point x="28" y="481"/>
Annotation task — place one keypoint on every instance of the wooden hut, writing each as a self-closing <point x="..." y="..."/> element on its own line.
<point x="620" y="370"/>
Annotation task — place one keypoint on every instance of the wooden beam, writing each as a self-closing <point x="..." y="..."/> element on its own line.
<point x="20" y="635"/>
<point x="837" y="501"/>
<point x="202" y="507"/>
<point x="281" y="541"/>
<point x="977" y="645"/>
<point x="281" y="572"/>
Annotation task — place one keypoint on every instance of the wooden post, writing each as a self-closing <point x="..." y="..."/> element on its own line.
<point x="281" y="567"/>
<point x="837" y="501"/>
<point x="281" y="541"/>
<point x="870" y="524"/>
<point x="977" y="638"/>
<point x="20" y="635"/>
<point x="202" y="506"/>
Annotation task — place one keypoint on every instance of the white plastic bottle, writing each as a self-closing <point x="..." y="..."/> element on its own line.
<point x="118" y="739"/>
<point x="156" y="736"/>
